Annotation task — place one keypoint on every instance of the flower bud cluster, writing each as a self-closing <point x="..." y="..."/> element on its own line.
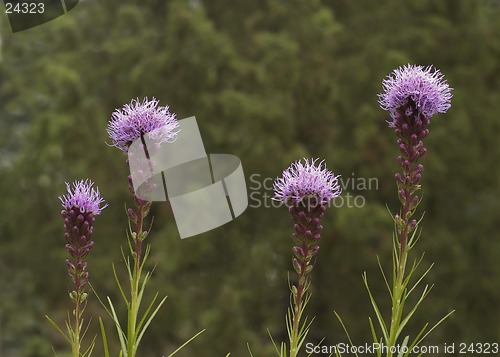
<point x="412" y="94"/>
<point x="80" y="206"/>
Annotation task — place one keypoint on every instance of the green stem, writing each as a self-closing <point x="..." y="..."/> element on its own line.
<point x="79" y="308"/>
<point x="297" y="314"/>
<point x="75" y="345"/>
<point x="397" y="299"/>
<point x="401" y="257"/>
<point x="298" y="302"/>
<point x="133" y="310"/>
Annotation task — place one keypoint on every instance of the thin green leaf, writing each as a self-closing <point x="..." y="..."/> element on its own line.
<point x="377" y="311"/>
<point x="86" y="329"/>
<point x="319" y="343"/>
<point x="146" y="313"/>
<point x="289" y="321"/>
<point x="185" y="343"/>
<point x="146" y="255"/>
<point x="414" y="267"/>
<point x="54" y="351"/>
<point x="436" y="325"/>
<point x="374" y="336"/>
<point x="420" y="279"/>
<point x="143" y="287"/>
<point x="101" y="302"/>
<point x="126" y="260"/>
<point x="119" y="285"/>
<point x="104" y="339"/>
<point x="345" y="329"/>
<point x="383" y="274"/>
<point x="278" y="351"/>
<point x="88" y="351"/>
<point x="415" y="236"/>
<point x="416" y="340"/>
<point x="249" y="351"/>
<point x="303" y="332"/>
<point x="403" y="345"/>
<point x="144" y="328"/>
<point x="412" y="311"/>
<point x="121" y="335"/>
<point x="58" y="329"/>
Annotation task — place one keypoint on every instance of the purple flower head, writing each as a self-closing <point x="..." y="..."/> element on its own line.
<point x="83" y="197"/>
<point x="415" y="88"/>
<point x="137" y="119"/>
<point x="81" y="204"/>
<point x="306" y="180"/>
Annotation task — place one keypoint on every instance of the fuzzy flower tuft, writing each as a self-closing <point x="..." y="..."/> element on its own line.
<point x="137" y="119"/>
<point x="419" y="88"/>
<point x="307" y="179"/>
<point x="83" y="197"/>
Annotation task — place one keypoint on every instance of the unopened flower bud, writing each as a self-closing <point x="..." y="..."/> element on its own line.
<point x="132" y="215"/>
<point x="297" y="265"/>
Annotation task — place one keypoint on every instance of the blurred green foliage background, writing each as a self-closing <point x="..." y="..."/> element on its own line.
<point x="270" y="81"/>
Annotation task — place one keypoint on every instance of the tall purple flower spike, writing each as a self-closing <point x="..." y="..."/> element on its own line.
<point x="137" y="119"/>
<point x="412" y="94"/>
<point x="306" y="188"/>
<point x="81" y="204"/>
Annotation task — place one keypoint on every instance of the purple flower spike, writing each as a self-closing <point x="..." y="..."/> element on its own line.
<point x="306" y="180"/>
<point x="307" y="188"/>
<point x="415" y="90"/>
<point x="137" y="119"/>
<point x="81" y="204"/>
<point x="412" y="94"/>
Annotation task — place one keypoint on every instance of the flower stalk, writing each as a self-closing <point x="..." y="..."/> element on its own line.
<point x="306" y="189"/>
<point x="412" y="95"/>
<point x="81" y="204"/>
<point x="307" y="230"/>
<point x="134" y="123"/>
<point x="137" y="217"/>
